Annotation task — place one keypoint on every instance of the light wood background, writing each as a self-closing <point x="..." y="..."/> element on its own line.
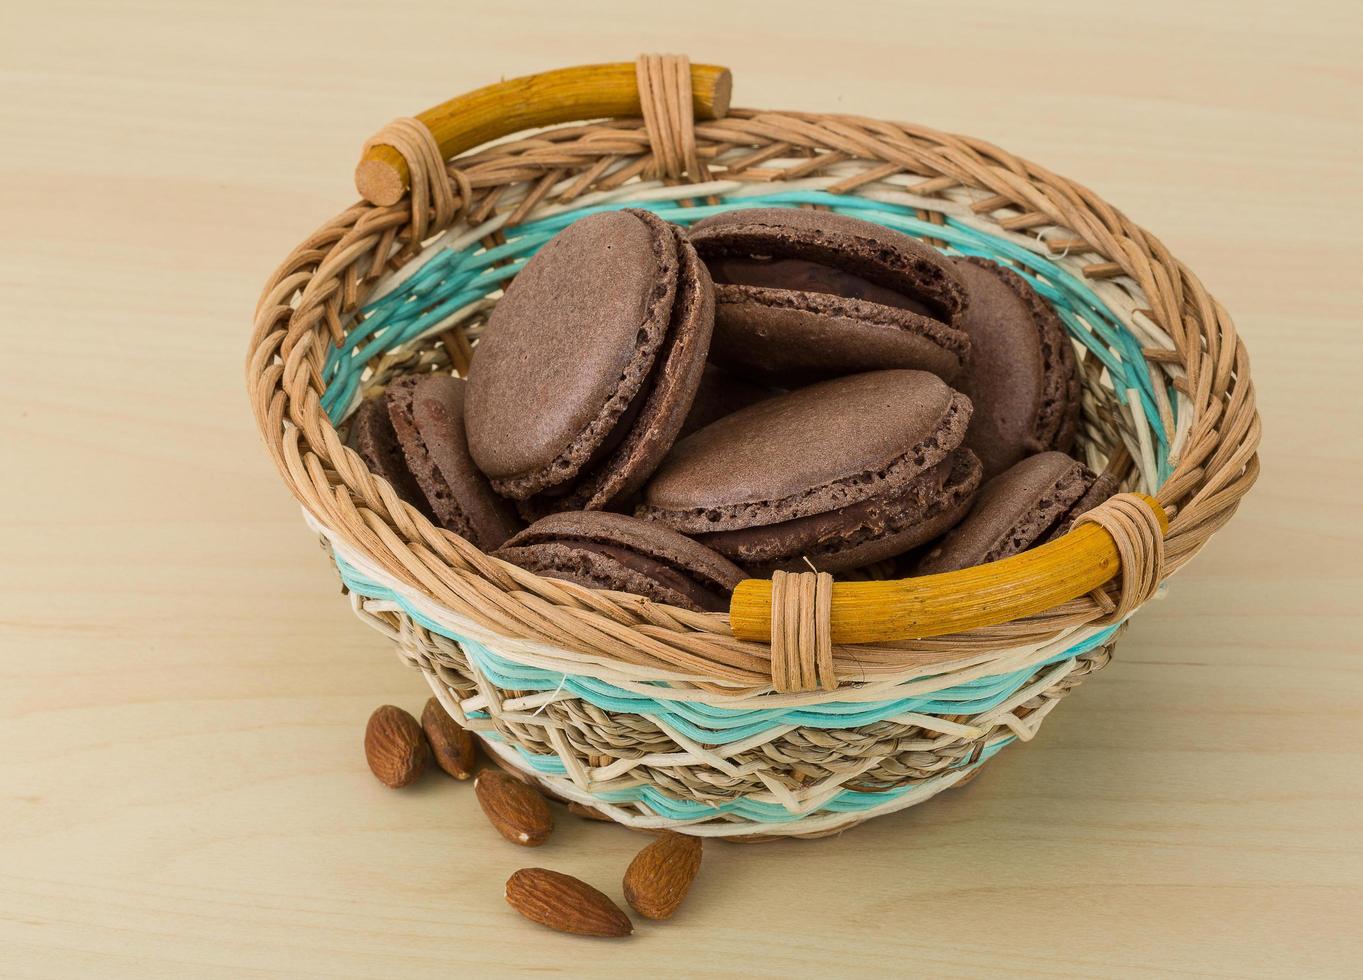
<point x="182" y="691"/>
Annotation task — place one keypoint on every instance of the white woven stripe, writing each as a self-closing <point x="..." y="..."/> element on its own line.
<point x="631" y="678"/>
<point x="588" y="775"/>
<point x="706" y="826"/>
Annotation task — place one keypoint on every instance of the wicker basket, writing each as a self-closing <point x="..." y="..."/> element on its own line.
<point x="808" y="708"/>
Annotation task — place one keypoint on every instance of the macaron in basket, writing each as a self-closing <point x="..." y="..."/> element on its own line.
<point x="774" y="389"/>
<point x="592" y="373"/>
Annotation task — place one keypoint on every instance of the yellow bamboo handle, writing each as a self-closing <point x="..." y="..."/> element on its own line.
<point x="546" y="99"/>
<point x="933" y="605"/>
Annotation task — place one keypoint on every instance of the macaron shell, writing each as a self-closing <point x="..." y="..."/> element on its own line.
<point x="933" y="526"/>
<point x="1103" y="487"/>
<point x="721" y="393"/>
<point x="671" y="390"/>
<point x="1021" y="374"/>
<point x="876" y="253"/>
<point x="812" y="450"/>
<point x="438" y="411"/>
<point x="646" y="538"/>
<point x="1058" y="420"/>
<point x="372" y="436"/>
<point x="803" y="276"/>
<point x="603" y="567"/>
<point x="855" y="536"/>
<point x="788" y="337"/>
<point x="1006" y="376"/>
<point x="400" y="397"/>
<point x="714" y="573"/>
<point x="1013" y="511"/>
<point x="568" y="347"/>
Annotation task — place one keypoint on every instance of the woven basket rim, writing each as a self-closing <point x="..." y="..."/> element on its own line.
<point x="311" y="298"/>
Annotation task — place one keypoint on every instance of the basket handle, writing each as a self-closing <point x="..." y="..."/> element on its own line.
<point x="1082" y="561"/>
<point x="546" y="99"/>
<point x="1076" y="564"/>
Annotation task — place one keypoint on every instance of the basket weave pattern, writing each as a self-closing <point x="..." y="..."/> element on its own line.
<point x="631" y="706"/>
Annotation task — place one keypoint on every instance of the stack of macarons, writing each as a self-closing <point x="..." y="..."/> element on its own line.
<point x="664" y="412"/>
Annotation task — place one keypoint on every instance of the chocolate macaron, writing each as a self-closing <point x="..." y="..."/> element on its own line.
<point x="604" y="550"/>
<point x="372" y="436"/>
<point x="841" y="473"/>
<point x="588" y="365"/>
<point x="802" y="295"/>
<point x="427" y="414"/>
<point x="1104" y="486"/>
<point x="721" y="393"/>
<point x="1021" y="376"/>
<point x="1019" y="508"/>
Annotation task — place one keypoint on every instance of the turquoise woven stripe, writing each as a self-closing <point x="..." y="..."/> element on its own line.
<point x="450" y="280"/>
<point x="711" y="725"/>
<point x="719" y="726"/>
<point x="672" y="808"/>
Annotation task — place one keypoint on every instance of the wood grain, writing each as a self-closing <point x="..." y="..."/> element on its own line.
<point x="183" y="692"/>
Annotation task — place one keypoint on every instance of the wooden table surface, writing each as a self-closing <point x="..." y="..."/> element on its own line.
<point x="182" y="690"/>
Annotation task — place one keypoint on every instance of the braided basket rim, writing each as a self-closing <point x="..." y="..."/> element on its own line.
<point x="312" y="298"/>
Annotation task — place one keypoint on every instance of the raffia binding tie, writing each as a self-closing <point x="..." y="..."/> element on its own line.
<point x="1140" y="545"/>
<point x="433" y="201"/>
<point x="801" y="634"/>
<point x="669" y="121"/>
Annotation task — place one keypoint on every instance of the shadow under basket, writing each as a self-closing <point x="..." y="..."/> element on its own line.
<point x="811" y="705"/>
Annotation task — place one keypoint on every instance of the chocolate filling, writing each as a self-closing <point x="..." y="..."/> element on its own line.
<point x="811" y="277"/>
<point x="667" y="575"/>
<point x="865" y="257"/>
<point x="890" y="478"/>
<point x="949" y="484"/>
<point x="602" y="565"/>
<point x="1102" y="487"/>
<point x="1048" y="511"/>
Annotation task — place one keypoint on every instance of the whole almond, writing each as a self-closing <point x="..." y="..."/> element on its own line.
<point x="453" y="746"/>
<point x="660" y="875"/>
<point x="395" y="746"/>
<point x="565" y="903"/>
<point x="517" y="810"/>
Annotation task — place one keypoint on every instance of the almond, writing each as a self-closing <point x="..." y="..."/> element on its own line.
<point x="565" y="903"/>
<point x="517" y="810"/>
<point x="395" y="746"/>
<point x="454" y="748"/>
<point x="660" y="875"/>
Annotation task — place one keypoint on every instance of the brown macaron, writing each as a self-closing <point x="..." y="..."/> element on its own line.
<point x="1021" y="376"/>
<point x="427" y="415"/>
<point x="589" y="363"/>
<point x="802" y="295"/>
<point x="603" y="550"/>
<point x="841" y="473"/>
<point x="1019" y="508"/>
<point x="371" y="435"/>
<point x="1103" y="487"/>
<point x="721" y="393"/>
